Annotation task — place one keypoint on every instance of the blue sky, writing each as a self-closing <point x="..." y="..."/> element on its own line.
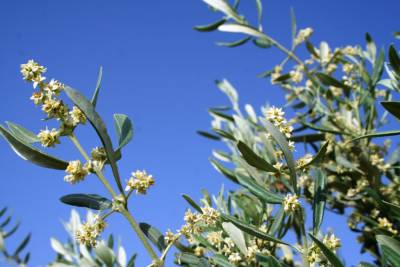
<point x="160" y="72"/>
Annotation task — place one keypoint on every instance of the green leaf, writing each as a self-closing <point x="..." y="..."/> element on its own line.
<point x="294" y="24"/>
<point x="253" y="159"/>
<point x="235" y="43"/>
<point x="236" y="235"/>
<point x="190" y="260"/>
<point x="311" y="49"/>
<point x="378" y="68"/>
<point x="1" y="242"/>
<point x="123" y="126"/>
<point x="320" y="155"/>
<point x="131" y="262"/>
<point x="259" y="191"/>
<point x="379" y="134"/>
<point x="221" y="115"/>
<point x="263" y="43"/>
<point x="330" y="81"/>
<point x="22" y="133"/>
<point x="105" y="254"/>
<point x="394" y="59"/>
<point x="210" y="27"/>
<point x="88" y="109"/>
<point x="225" y="134"/>
<point x="371" y="47"/>
<point x="97" y="89"/>
<point x="319" y="200"/>
<point x="12" y="231"/>
<point x="393" y="207"/>
<point x="267" y="261"/>
<point x="393" y="107"/>
<point x="226" y="172"/>
<point x="192" y="203"/>
<point x="283" y="78"/>
<point x="3" y="211"/>
<point x="208" y="135"/>
<point x="283" y="144"/>
<point x="390" y="248"/>
<point x="91" y="201"/>
<point x="224" y="7"/>
<point x="278" y="220"/>
<point x="222" y="261"/>
<point x="252" y="230"/>
<point x="236" y="28"/>
<point x="331" y="257"/>
<point x="154" y="235"/>
<point x="259" y="13"/>
<point x="308" y="138"/>
<point x="23" y="244"/>
<point x="34" y="155"/>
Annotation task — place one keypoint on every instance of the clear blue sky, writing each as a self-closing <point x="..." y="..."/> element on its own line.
<point x="159" y="72"/>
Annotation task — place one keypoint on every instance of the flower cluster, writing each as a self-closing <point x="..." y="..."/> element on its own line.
<point x="76" y="172"/>
<point x="315" y="254"/>
<point x="303" y="35"/>
<point x="89" y="232"/>
<point x="49" y="138"/>
<point x="291" y="203"/>
<point x="384" y="223"/>
<point x="276" y="116"/>
<point x="140" y="181"/>
<point x="48" y="96"/>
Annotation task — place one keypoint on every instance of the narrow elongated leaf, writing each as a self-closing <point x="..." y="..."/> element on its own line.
<point x="3" y="211"/>
<point x="394" y="59"/>
<point x="154" y="235"/>
<point x="378" y="68"/>
<point x="12" y="231"/>
<point x="267" y="261"/>
<point x="252" y="230"/>
<point x="22" y="245"/>
<point x="258" y="190"/>
<point x="225" y="171"/>
<point x="34" y="155"/>
<point x="294" y="24"/>
<point x="263" y="43"/>
<point x="192" y="203"/>
<point x="224" y="7"/>
<point x="209" y="135"/>
<point x="253" y="159"/>
<point x="191" y="260"/>
<point x="210" y="27"/>
<point x="320" y="155"/>
<point x="308" y="138"/>
<point x="234" y="43"/>
<point x="221" y="261"/>
<point x="379" y="134"/>
<point x="105" y="254"/>
<point x="236" y="28"/>
<point x="22" y="133"/>
<point x="319" y="200"/>
<point x="393" y="107"/>
<point x="283" y="144"/>
<point x="91" y="201"/>
<point x="123" y="126"/>
<point x="393" y="207"/>
<point x="236" y="235"/>
<point x="278" y="220"/>
<point x="331" y="257"/>
<point x="330" y="81"/>
<point x="97" y="89"/>
<point x="88" y="109"/>
<point x="259" y="13"/>
<point x="1" y="242"/>
<point x="390" y="249"/>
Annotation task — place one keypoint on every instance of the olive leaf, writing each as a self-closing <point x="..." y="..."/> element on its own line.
<point x="94" y="118"/>
<point x="319" y="200"/>
<point x="154" y="235"/>
<point x="123" y="126"/>
<point x="22" y="133"/>
<point x="192" y="203"/>
<point x="91" y="201"/>
<point x="331" y="257"/>
<point x="30" y="153"/>
<point x="210" y="27"/>
<point x="253" y="159"/>
<point x="390" y="248"/>
<point x="97" y="88"/>
<point x="234" y="43"/>
<point x="393" y="107"/>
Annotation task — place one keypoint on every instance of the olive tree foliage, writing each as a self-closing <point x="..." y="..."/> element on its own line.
<point x="341" y="97"/>
<point x="331" y="155"/>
